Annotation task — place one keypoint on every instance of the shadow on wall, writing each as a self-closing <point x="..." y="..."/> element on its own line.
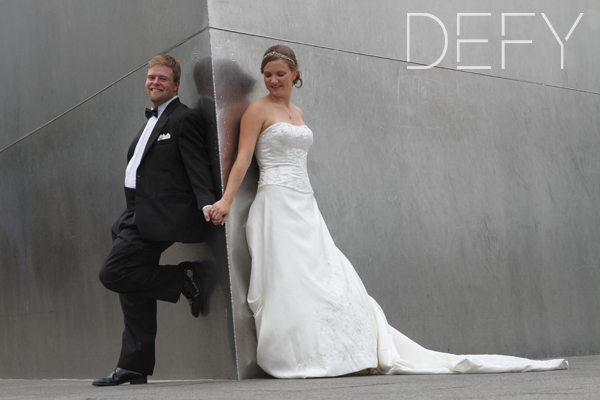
<point x="234" y="87"/>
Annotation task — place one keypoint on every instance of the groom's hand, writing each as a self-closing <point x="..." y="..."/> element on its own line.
<point x="206" y="211"/>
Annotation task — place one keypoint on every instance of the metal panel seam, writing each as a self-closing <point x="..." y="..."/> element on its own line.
<point x="102" y="90"/>
<point x="400" y="60"/>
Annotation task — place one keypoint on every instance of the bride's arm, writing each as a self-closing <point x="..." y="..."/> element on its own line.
<point x="250" y="128"/>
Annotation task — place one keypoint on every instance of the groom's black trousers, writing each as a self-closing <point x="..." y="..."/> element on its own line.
<point x="132" y="269"/>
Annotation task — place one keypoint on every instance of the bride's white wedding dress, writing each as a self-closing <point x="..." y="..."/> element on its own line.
<point x="313" y="316"/>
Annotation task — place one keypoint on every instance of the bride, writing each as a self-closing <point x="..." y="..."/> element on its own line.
<point x="313" y="316"/>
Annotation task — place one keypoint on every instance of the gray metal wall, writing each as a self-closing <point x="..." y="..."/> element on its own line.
<point x="467" y="200"/>
<point x="73" y="100"/>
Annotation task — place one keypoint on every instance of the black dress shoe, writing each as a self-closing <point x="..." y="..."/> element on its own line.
<point x="120" y="376"/>
<point x="192" y="287"/>
<point x="197" y="286"/>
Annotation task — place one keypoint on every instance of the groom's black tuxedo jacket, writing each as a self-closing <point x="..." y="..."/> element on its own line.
<point x="173" y="180"/>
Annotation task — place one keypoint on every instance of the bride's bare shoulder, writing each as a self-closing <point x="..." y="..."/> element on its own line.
<point x="256" y="115"/>
<point x="259" y="110"/>
<point x="261" y="104"/>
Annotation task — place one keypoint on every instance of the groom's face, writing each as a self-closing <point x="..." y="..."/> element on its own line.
<point x="160" y="86"/>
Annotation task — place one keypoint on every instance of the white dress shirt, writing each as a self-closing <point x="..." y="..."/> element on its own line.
<point x="134" y="163"/>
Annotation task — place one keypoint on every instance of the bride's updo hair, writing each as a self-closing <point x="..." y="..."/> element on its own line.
<point x="281" y="52"/>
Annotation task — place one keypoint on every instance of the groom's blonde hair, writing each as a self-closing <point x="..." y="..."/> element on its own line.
<point x="167" y="61"/>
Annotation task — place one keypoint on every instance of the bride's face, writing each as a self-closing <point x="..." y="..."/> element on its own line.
<point x="278" y="77"/>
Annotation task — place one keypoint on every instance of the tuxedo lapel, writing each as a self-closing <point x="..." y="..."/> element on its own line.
<point x="160" y="124"/>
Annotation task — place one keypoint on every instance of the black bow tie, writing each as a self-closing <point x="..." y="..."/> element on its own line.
<point x="150" y="113"/>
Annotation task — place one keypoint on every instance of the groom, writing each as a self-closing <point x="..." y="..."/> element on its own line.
<point x="168" y="189"/>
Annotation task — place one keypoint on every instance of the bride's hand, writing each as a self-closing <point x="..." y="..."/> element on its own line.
<point x="220" y="212"/>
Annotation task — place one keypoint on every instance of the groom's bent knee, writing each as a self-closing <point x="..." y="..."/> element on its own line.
<point x="108" y="275"/>
<point x="115" y="267"/>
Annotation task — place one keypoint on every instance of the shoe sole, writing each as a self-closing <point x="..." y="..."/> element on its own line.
<point x="138" y="381"/>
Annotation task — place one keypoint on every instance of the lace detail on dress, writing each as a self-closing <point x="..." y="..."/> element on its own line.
<point x="346" y="305"/>
<point x="345" y="316"/>
<point x="281" y="152"/>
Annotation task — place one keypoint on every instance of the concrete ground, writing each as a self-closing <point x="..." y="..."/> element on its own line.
<point x="580" y="382"/>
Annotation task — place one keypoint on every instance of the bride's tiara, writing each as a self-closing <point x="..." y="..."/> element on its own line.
<point x="276" y="54"/>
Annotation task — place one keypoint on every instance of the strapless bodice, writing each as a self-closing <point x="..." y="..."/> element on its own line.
<point x="281" y="152"/>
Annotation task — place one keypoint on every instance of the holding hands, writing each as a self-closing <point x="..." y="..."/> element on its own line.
<point x="219" y="212"/>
